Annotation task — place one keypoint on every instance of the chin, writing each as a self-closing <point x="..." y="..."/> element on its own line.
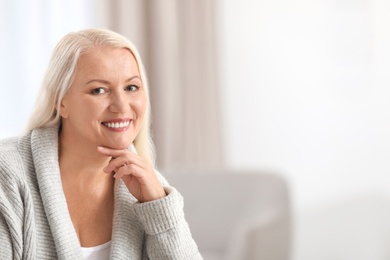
<point x="120" y="145"/>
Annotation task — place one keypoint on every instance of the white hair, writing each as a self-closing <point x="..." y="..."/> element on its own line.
<point x="61" y="72"/>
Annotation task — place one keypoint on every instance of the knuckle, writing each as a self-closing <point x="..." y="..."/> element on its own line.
<point x="132" y="167"/>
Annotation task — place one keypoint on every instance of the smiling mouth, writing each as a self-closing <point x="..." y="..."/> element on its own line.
<point x="117" y="125"/>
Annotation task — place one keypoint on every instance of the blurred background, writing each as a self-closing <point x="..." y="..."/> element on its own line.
<point x="297" y="90"/>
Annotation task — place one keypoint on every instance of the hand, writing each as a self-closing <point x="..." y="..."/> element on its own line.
<point x="136" y="173"/>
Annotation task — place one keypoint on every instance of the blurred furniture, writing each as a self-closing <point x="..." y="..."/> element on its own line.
<point x="349" y="227"/>
<point x="236" y="215"/>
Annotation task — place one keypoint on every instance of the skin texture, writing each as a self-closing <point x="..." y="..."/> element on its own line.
<point x="107" y="89"/>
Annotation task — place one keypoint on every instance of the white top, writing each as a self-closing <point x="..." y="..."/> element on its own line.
<point x="100" y="252"/>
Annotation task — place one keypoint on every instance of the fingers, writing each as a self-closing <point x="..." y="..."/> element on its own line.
<point x="115" y="164"/>
<point x="131" y="169"/>
<point x="120" y="158"/>
<point x="125" y="162"/>
<point x="137" y="173"/>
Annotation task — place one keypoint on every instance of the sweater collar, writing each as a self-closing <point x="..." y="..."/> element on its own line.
<point x="44" y="146"/>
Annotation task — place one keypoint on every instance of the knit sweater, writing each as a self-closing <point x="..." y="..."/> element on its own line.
<point x="35" y="221"/>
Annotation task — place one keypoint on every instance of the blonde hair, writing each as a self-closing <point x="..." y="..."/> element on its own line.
<point x="60" y="74"/>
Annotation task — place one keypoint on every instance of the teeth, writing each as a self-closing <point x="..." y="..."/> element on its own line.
<point x="117" y="125"/>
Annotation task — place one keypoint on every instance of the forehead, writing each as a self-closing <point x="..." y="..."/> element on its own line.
<point x="107" y="60"/>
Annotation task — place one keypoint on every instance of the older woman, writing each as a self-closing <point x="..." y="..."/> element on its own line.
<point x="81" y="184"/>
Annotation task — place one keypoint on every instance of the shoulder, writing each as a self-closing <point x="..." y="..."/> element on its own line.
<point x="13" y="146"/>
<point x="8" y="150"/>
<point x="7" y="144"/>
<point x="12" y="152"/>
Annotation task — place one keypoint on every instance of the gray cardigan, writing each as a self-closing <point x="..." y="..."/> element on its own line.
<point x="35" y="221"/>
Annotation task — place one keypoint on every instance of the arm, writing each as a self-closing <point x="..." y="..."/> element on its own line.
<point x="16" y="227"/>
<point x="167" y="233"/>
<point x="17" y="237"/>
<point x="159" y="207"/>
<point x="6" y="250"/>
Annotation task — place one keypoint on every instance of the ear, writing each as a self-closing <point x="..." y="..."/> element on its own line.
<point x="63" y="108"/>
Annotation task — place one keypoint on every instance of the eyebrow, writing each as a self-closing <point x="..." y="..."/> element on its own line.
<point x="107" y="82"/>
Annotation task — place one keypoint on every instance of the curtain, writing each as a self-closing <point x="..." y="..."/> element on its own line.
<point x="176" y="41"/>
<point x="29" y="31"/>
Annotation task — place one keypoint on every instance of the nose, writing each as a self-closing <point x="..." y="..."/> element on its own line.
<point x="119" y="102"/>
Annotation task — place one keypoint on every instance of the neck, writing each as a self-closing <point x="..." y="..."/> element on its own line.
<point x="81" y="162"/>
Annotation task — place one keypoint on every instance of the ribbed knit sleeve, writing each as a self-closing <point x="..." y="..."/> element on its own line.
<point x="17" y="237"/>
<point x="167" y="233"/>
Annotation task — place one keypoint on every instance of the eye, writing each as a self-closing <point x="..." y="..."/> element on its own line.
<point x="98" y="91"/>
<point x="131" y="88"/>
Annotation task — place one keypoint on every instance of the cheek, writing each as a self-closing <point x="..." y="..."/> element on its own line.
<point x="140" y="106"/>
<point x="88" y="110"/>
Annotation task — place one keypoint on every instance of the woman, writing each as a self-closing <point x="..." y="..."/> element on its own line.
<point x="80" y="184"/>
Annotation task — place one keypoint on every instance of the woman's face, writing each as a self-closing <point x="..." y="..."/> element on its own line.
<point x="106" y="103"/>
